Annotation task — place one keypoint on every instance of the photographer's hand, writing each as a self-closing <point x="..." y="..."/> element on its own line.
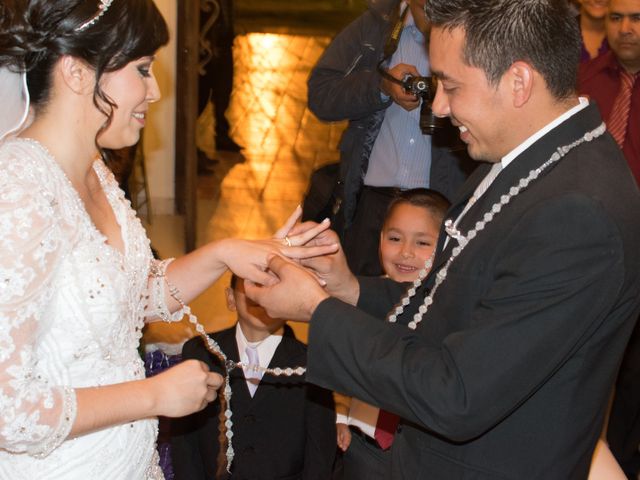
<point x="408" y="101"/>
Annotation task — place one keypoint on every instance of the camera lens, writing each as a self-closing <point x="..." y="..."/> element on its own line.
<point x="430" y="123"/>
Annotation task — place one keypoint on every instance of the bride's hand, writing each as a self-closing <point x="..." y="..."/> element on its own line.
<point x="248" y="259"/>
<point x="294" y="234"/>
<point x="183" y="389"/>
<point x="285" y="229"/>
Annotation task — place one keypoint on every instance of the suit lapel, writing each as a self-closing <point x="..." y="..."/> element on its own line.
<point x="532" y="158"/>
<point x="457" y="206"/>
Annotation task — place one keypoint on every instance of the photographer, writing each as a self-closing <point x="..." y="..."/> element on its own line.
<point x="383" y="149"/>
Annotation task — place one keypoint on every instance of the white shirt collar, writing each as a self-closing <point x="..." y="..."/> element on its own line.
<point x="497" y="167"/>
<point x="509" y="157"/>
<point x="266" y="348"/>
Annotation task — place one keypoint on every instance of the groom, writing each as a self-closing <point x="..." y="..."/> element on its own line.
<point x="535" y="286"/>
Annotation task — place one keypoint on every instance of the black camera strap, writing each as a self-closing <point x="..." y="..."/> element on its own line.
<point x="393" y="40"/>
<point x="391" y="46"/>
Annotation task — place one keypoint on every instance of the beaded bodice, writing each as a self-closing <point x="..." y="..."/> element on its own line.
<point x="71" y="314"/>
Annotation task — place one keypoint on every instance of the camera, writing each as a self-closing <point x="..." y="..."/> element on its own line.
<point x="425" y="88"/>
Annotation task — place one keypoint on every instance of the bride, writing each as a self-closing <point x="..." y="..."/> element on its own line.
<point x="77" y="278"/>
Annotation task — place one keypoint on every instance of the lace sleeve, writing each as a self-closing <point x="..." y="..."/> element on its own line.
<point x="156" y="296"/>
<point x="35" y="416"/>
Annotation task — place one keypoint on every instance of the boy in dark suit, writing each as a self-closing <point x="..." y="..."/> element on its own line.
<point x="283" y="427"/>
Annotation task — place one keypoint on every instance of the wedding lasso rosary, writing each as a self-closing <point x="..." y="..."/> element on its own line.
<point x="463" y="240"/>
<point x="213" y="347"/>
<point x="441" y="275"/>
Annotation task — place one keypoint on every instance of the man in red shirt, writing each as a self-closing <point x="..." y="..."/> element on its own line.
<point x="604" y="78"/>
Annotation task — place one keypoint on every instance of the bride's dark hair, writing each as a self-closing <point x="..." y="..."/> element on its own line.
<point x="35" y="34"/>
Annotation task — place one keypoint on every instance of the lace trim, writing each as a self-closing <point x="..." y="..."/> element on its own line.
<point x="153" y="470"/>
<point x="157" y="302"/>
<point x="60" y="434"/>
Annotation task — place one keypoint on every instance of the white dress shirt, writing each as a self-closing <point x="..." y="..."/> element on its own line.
<point x="266" y="348"/>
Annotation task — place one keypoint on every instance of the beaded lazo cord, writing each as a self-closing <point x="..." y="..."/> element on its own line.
<point x="463" y="240"/>
<point x="159" y="271"/>
<point x="452" y="231"/>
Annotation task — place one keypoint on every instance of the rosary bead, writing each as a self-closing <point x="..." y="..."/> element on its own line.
<point x="463" y="240"/>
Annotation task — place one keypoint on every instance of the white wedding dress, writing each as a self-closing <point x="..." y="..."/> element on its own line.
<point x="71" y="313"/>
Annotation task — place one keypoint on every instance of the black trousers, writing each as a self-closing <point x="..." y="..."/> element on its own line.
<point x="364" y="460"/>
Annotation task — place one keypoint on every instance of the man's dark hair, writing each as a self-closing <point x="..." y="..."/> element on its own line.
<point x="542" y="33"/>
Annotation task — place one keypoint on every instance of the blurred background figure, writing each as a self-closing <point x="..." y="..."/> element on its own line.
<point x="215" y="80"/>
<point x="383" y="150"/>
<point x="591" y="18"/>
<point x="611" y="80"/>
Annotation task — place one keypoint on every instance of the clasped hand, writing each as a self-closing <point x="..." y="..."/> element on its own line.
<point x="302" y="284"/>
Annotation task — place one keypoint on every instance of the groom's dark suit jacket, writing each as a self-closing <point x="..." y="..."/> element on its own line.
<point x="285" y="431"/>
<point x="508" y="375"/>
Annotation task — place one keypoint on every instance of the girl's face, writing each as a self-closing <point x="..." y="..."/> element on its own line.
<point x="595" y="9"/>
<point x="132" y="88"/>
<point x="407" y="240"/>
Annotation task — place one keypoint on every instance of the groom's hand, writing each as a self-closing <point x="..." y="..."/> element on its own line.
<point x="294" y="296"/>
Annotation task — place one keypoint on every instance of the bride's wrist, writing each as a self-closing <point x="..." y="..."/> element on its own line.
<point x="218" y="253"/>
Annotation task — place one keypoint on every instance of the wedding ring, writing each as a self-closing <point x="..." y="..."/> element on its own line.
<point x="287" y="241"/>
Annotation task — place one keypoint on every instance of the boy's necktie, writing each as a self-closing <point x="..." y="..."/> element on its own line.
<point x="252" y="375"/>
<point x="386" y="428"/>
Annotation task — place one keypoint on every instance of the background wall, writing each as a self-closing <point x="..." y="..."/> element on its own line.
<point x="251" y="15"/>
<point x="159" y="138"/>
